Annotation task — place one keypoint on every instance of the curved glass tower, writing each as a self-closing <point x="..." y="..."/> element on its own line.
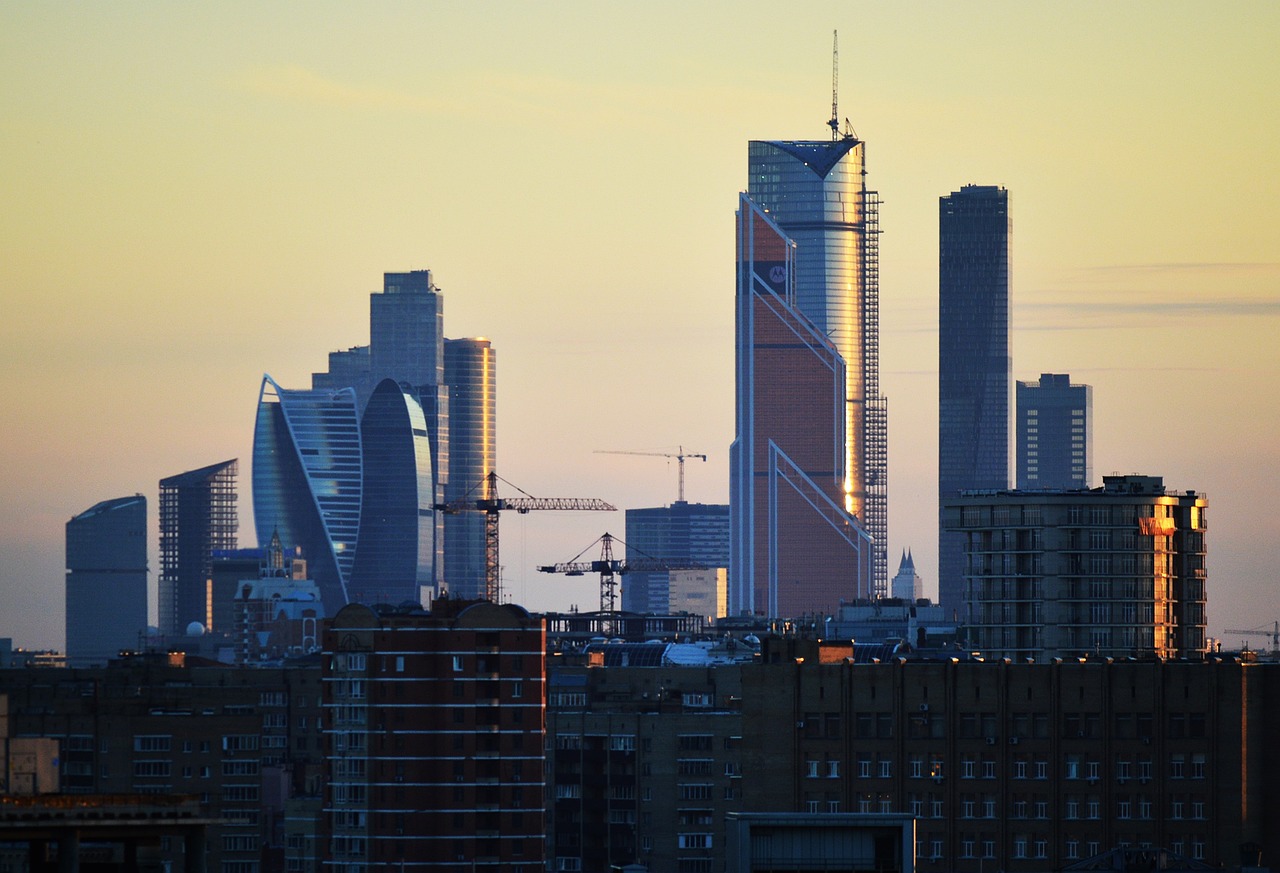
<point x="471" y="374"/>
<point x="307" y="480"/>
<point x="397" y="510"/>
<point x="816" y="192"/>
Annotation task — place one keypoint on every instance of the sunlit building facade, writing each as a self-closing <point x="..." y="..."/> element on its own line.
<point x="106" y="580"/>
<point x="795" y="549"/>
<point x="308" y="479"/>
<point x="197" y="516"/>
<point x="682" y="533"/>
<point x="974" y="367"/>
<point x="470" y="372"/>
<point x="1117" y="571"/>
<point x="396" y="553"/>
<point x="1054" y="433"/>
<point x="816" y="192"/>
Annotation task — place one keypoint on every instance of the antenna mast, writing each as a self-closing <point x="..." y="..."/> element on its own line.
<point x="834" y="123"/>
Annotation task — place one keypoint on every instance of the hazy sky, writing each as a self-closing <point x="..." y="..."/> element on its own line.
<point x="196" y="194"/>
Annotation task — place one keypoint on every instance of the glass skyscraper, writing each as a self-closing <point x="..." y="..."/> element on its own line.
<point x="197" y="517"/>
<point x="470" y="372"/>
<point x="691" y="532"/>
<point x="816" y="192"/>
<point x="1054" y="434"/>
<point x="106" y="580"/>
<point x="795" y="549"/>
<point x="974" y="368"/>
<point x="308" y="479"/>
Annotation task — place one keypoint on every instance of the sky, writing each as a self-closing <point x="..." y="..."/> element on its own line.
<point x="192" y="195"/>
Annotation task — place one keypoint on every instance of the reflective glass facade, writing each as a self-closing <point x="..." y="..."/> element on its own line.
<point x="307" y="480"/>
<point x="795" y="549"/>
<point x="816" y="192"/>
<point x="106" y="580"/>
<point x="692" y="532"/>
<point x="397" y="514"/>
<point x="197" y="517"/>
<point x="1054" y="433"/>
<point x="470" y="371"/>
<point x="974" y="369"/>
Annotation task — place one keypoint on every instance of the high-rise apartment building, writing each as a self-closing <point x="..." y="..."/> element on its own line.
<point x="973" y="360"/>
<point x="1054" y="433"/>
<point x="816" y="192"/>
<point x="106" y="580"/>
<point x="197" y="516"/>
<point x="435" y="738"/>
<point x="695" y="533"/>
<point x="308" y="480"/>
<point x="470" y="372"/>
<point x="1117" y="571"/>
<point x="795" y="547"/>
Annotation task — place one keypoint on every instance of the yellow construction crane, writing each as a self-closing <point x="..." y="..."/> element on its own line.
<point x="680" y="454"/>
<point x="491" y="504"/>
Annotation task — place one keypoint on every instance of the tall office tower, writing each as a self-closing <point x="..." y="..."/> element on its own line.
<point x="974" y="370"/>
<point x="1054" y="433"/>
<point x="347" y="369"/>
<point x="197" y="516"/>
<point x="795" y="548"/>
<point x="106" y="580"/>
<point x="907" y="584"/>
<point x="816" y="192"/>
<point x="435" y="739"/>
<point x="470" y="371"/>
<point x="396" y="552"/>
<point x="695" y="533"/>
<point x="307" y="480"/>
<point x="1116" y="571"/>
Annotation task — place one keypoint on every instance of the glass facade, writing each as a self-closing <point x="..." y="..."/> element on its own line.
<point x="396" y="553"/>
<point x="974" y="369"/>
<point x="1054" y="433"/>
<point x="794" y="547"/>
<point x="307" y="480"/>
<point x="106" y="580"/>
<point x="816" y="192"/>
<point x="197" y="516"/>
<point x="470" y="371"/>
<point x="693" y="532"/>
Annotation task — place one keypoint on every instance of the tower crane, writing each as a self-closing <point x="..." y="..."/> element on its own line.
<point x="680" y="454"/>
<point x="1273" y="632"/>
<point x="491" y="505"/>
<point x="834" y="123"/>
<point x="609" y="568"/>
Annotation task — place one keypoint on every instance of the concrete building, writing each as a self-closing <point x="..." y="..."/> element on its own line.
<point x="796" y="546"/>
<point x="697" y="533"/>
<point x="699" y="592"/>
<point x="974" y="366"/>
<point x="816" y="194"/>
<point x="1115" y="571"/>
<point x="1054" y="433"/>
<point x="435" y="739"/>
<point x="197" y="517"/>
<point x="106" y="605"/>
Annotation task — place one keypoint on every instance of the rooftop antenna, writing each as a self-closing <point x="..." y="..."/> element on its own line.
<point x="834" y="123"/>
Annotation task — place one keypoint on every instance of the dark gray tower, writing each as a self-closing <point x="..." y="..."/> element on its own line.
<point x="974" y="370"/>
<point x="1054" y="434"/>
<point x="106" y="580"/>
<point x="470" y="371"/>
<point x="197" y="517"/>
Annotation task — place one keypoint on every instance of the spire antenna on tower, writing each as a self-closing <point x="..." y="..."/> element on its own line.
<point x="834" y="123"/>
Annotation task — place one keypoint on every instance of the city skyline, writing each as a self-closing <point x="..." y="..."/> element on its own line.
<point x="198" y="196"/>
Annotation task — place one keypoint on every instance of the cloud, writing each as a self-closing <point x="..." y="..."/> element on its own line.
<point x="300" y="85"/>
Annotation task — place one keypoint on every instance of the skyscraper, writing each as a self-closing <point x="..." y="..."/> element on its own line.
<point x="396" y="552"/>
<point x="106" y="580"/>
<point x="197" y="516"/>
<point x="974" y="370"/>
<point x="307" y="480"/>
<point x="1054" y="433"/>
<point x="816" y="192"/>
<point x="690" y="532"/>
<point x="470" y="372"/>
<point x="795" y="548"/>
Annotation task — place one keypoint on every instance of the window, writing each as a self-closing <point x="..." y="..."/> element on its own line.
<point x="864" y="768"/>
<point x="151" y="743"/>
<point x="886" y="768"/>
<point x="833" y="770"/>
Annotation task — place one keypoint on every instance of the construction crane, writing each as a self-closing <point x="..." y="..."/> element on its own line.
<point x="491" y="505"/>
<point x="679" y="455"/>
<point x="609" y="568"/>
<point x="1273" y="632"/>
<point x="834" y="123"/>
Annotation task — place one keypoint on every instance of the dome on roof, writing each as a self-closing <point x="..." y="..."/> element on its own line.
<point x="195" y="629"/>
